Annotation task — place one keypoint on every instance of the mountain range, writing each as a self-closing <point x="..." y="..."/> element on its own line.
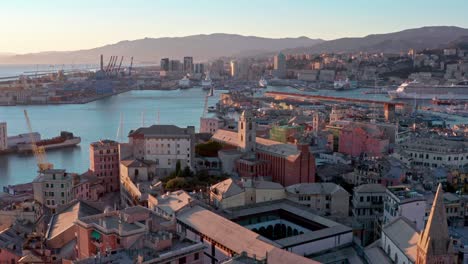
<point x="207" y="47"/>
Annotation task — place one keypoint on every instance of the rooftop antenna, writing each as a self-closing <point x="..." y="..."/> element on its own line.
<point x="143" y="119"/>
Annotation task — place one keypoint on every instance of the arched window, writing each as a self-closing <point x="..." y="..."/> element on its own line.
<point x="388" y="250"/>
<point x="396" y="258"/>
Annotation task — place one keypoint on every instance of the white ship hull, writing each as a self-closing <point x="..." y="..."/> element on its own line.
<point x="67" y="143"/>
<point x="415" y="90"/>
<point x="422" y="96"/>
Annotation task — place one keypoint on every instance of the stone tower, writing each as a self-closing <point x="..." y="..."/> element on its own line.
<point x="435" y="245"/>
<point x="246" y="132"/>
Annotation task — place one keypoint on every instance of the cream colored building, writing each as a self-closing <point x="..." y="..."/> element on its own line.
<point x="52" y="188"/>
<point x="164" y="144"/>
<point x="325" y="198"/>
<point x="228" y="193"/>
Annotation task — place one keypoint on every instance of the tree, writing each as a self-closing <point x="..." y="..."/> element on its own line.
<point x="176" y="184"/>
<point x="177" y="168"/>
<point x="186" y="172"/>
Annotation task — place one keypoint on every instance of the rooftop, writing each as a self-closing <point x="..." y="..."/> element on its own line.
<point x="267" y="145"/>
<point x="404" y="235"/>
<point x="226" y="188"/>
<point x="173" y="202"/>
<point x="65" y="219"/>
<point x="315" y="188"/>
<point x="370" y="188"/>
<point x="111" y="222"/>
<point x="405" y="194"/>
<point x="163" y="130"/>
<point x="235" y="237"/>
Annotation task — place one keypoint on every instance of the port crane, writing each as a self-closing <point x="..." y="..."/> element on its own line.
<point x="38" y="151"/>
<point x="120" y="65"/>
<point x="130" y="68"/>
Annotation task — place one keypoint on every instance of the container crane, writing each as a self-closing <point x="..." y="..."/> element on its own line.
<point x="130" y="68"/>
<point x="38" y="151"/>
<point x="120" y="65"/>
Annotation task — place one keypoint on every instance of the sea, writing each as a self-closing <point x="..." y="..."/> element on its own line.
<point x="101" y="120"/>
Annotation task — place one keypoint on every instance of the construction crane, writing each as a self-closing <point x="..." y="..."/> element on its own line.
<point x="38" y="151"/>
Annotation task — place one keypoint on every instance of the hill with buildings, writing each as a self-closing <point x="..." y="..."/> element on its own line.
<point x="418" y="39"/>
<point x="201" y="47"/>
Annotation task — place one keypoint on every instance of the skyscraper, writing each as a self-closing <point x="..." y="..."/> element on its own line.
<point x="164" y="64"/>
<point x="234" y="69"/>
<point x="280" y="65"/>
<point x="188" y="64"/>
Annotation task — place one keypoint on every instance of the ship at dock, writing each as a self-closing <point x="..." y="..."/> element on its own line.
<point x="416" y="90"/>
<point x="207" y="83"/>
<point x="66" y="139"/>
<point x="340" y="85"/>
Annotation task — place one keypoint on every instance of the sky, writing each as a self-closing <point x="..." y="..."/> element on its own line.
<point x="59" y="25"/>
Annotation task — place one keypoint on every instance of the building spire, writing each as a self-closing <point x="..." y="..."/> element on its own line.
<point x="434" y="240"/>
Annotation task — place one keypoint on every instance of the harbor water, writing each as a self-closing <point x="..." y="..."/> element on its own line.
<point x="101" y="120"/>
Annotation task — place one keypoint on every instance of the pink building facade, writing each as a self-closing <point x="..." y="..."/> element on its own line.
<point x="366" y="140"/>
<point x="104" y="163"/>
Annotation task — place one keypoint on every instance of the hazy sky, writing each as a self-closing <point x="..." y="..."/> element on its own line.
<point x="31" y="26"/>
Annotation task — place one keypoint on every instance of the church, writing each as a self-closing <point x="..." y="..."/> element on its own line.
<point x="250" y="156"/>
<point x="401" y="243"/>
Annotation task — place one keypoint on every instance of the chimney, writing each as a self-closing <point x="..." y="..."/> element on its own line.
<point x="102" y="62"/>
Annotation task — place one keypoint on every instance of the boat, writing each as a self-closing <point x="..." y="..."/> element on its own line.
<point x="211" y="109"/>
<point x="207" y="83"/>
<point x="262" y="83"/>
<point x="66" y="139"/>
<point x="340" y="85"/>
<point x="416" y="90"/>
<point x="184" y="82"/>
<point x="437" y="101"/>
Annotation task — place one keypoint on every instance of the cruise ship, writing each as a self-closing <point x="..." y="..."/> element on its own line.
<point x="184" y="82"/>
<point x="416" y="90"/>
<point x="207" y="83"/>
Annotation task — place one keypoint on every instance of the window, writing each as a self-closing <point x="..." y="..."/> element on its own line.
<point x="196" y="256"/>
<point x="182" y="260"/>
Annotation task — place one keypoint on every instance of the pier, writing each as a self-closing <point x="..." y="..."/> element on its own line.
<point x="389" y="107"/>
